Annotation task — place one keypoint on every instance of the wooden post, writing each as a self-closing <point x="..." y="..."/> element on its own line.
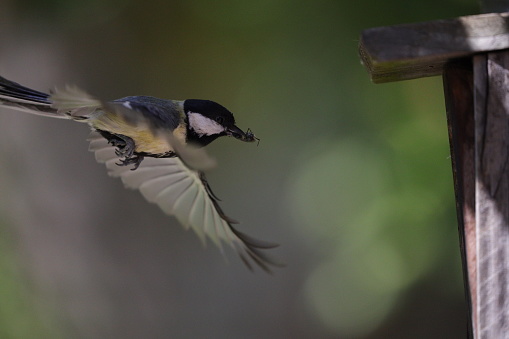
<point x="469" y="53"/>
<point x="491" y="82"/>
<point x="459" y="101"/>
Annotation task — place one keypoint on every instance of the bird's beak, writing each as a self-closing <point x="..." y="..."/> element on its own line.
<point x="237" y="133"/>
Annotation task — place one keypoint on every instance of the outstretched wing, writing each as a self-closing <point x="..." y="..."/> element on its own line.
<point x="184" y="193"/>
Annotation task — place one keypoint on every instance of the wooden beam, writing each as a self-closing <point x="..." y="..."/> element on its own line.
<point x="418" y="50"/>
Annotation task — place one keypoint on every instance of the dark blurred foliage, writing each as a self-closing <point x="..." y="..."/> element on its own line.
<point x="353" y="179"/>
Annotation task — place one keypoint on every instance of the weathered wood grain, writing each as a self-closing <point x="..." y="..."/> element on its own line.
<point x="491" y="83"/>
<point x="418" y="50"/>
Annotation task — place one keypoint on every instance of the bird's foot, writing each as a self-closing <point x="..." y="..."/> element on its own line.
<point x="125" y="146"/>
<point x="135" y="159"/>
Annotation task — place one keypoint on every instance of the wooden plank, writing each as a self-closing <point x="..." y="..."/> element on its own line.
<point x="417" y="50"/>
<point x="491" y="81"/>
<point x="459" y="100"/>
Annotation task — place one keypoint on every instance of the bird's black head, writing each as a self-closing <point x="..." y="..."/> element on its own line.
<point x="207" y="120"/>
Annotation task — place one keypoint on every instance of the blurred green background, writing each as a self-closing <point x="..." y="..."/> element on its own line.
<point x="352" y="179"/>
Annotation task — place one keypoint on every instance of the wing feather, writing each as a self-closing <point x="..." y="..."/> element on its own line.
<point x="197" y="216"/>
<point x="210" y="222"/>
<point x="183" y="204"/>
<point x="159" y="188"/>
<point x="168" y="198"/>
<point x="134" y="179"/>
<point x="184" y="193"/>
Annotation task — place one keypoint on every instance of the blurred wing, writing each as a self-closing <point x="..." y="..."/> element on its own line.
<point x="184" y="193"/>
<point x="74" y="102"/>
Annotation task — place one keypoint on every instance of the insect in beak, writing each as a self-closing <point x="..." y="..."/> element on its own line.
<point x="250" y="137"/>
<point x="237" y="133"/>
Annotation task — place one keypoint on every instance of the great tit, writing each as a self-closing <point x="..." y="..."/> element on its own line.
<point x="154" y="145"/>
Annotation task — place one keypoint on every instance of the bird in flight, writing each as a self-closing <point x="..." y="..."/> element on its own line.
<point x="155" y="145"/>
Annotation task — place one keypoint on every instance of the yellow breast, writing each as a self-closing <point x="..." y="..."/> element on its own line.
<point x="144" y="138"/>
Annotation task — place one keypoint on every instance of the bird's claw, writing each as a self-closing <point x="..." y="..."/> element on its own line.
<point x="125" y="148"/>
<point x="135" y="159"/>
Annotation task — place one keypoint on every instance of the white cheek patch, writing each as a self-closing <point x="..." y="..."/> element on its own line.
<point x="203" y="125"/>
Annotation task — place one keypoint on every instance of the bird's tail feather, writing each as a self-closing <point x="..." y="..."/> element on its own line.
<point x="18" y="97"/>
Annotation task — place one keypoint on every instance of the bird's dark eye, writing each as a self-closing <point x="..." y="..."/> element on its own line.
<point x="220" y="120"/>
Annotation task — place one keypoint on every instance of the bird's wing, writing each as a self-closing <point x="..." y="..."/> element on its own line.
<point x="74" y="102"/>
<point x="184" y="193"/>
